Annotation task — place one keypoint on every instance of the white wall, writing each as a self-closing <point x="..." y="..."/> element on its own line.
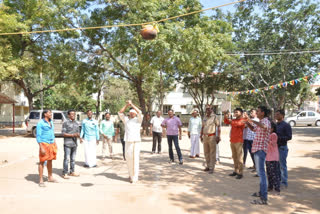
<point x="21" y="107"/>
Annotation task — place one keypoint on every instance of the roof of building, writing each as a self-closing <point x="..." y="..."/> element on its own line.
<point x="4" y="99"/>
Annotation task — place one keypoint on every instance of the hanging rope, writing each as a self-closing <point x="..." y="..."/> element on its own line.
<point x="120" y="25"/>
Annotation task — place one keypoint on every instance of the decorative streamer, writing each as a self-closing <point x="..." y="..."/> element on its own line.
<point x="273" y="87"/>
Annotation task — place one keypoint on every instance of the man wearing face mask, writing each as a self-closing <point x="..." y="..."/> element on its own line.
<point x="132" y="138"/>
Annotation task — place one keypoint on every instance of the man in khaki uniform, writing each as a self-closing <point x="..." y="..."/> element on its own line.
<point x="210" y="136"/>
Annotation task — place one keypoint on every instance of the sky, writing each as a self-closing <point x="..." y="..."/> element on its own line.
<point x="213" y="3"/>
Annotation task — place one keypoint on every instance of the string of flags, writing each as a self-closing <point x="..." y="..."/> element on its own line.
<point x="272" y="87"/>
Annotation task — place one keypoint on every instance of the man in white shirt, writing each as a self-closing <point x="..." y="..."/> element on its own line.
<point x="194" y="129"/>
<point x="132" y="139"/>
<point x="155" y="126"/>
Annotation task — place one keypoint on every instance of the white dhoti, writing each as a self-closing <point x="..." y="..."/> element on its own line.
<point x="90" y="152"/>
<point x="195" y="147"/>
<point x="132" y="158"/>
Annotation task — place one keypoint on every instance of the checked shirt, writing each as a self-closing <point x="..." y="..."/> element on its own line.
<point x="260" y="141"/>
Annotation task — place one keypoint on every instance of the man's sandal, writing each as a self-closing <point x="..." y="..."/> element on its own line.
<point x="42" y="184"/>
<point x="74" y="174"/>
<point x="259" y="202"/>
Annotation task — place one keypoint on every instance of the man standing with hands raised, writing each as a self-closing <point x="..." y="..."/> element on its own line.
<point x="132" y="139"/>
<point x="236" y="140"/>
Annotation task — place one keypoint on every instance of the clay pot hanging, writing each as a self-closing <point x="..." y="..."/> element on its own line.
<point x="149" y="32"/>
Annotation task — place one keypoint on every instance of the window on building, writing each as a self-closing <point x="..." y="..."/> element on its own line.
<point x="166" y="108"/>
<point x="183" y="107"/>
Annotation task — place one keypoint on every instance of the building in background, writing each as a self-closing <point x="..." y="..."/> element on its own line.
<point x="313" y="105"/>
<point x="182" y="103"/>
<point x="21" y="108"/>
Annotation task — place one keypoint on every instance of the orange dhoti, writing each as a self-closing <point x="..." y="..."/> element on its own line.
<point x="51" y="152"/>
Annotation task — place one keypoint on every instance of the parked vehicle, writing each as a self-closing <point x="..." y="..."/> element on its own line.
<point x="58" y="118"/>
<point x="304" y="118"/>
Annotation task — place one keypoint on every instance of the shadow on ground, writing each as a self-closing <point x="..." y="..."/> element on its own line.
<point x="306" y="131"/>
<point x="218" y="192"/>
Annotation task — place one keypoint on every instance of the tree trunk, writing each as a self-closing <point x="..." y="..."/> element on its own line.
<point x="161" y="93"/>
<point x="98" y="104"/>
<point x="141" y="97"/>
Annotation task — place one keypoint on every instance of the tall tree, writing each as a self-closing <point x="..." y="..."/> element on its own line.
<point x="32" y="54"/>
<point x="140" y="61"/>
<point x="280" y="26"/>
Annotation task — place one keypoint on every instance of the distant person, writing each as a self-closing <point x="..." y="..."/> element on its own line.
<point x="194" y="129"/>
<point x="272" y="161"/>
<point x="210" y="136"/>
<point x="108" y="135"/>
<point x="89" y="136"/>
<point x="248" y="140"/>
<point x="260" y="148"/>
<point x="284" y="133"/>
<point x="70" y="132"/>
<point x="132" y="138"/>
<point x="236" y="139"/>
<point x="47" y="145"/>
<point x="173" y="125"/>
<point x="120" y="131"/>
<point x="157" y="132"/>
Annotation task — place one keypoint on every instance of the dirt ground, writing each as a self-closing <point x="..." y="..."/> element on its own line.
<point x="162" y="187"/>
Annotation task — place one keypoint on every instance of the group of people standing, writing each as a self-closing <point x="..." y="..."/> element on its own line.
<point x="256" y="134"/>
<point x="266" y="141"/>
<point x="128" y="128"/>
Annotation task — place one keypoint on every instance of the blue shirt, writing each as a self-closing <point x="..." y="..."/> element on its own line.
<point x="284" y="133"/>
<point x="45" y="132"/>
<point x="89" y="130"/>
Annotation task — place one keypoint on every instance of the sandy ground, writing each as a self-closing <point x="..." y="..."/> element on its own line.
<point x="163" y="188"/>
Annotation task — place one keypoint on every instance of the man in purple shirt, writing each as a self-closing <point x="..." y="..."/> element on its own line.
<point x="173" y="125"/>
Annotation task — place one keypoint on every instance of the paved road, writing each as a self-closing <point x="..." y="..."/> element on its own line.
<point x="163" y="188"/>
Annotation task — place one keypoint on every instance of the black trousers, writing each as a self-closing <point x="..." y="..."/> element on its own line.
<point x="156" y="136"/>
<point x="273" y="172"/>
<point x="247" y="146"/>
